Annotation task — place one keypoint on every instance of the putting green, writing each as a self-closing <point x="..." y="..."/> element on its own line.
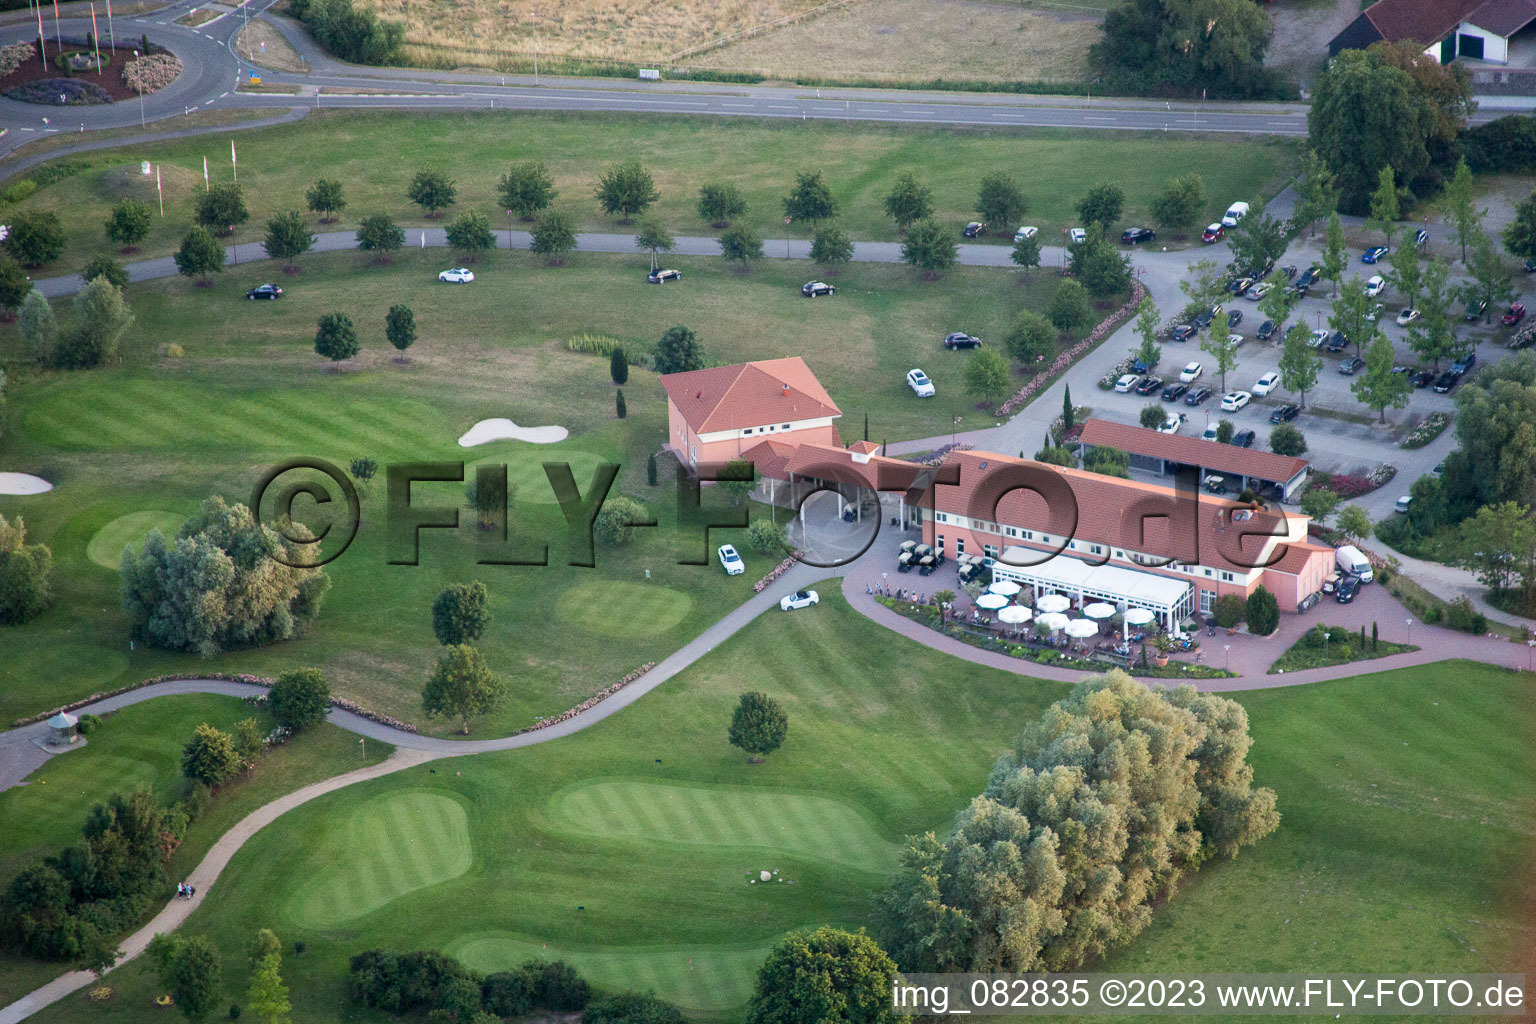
<point x="389" y="847"/>
<point x="789" y="823"/>
<point x="106" y="548"/>
<point x="706" y="979"/>
<point x="624" y="610"/>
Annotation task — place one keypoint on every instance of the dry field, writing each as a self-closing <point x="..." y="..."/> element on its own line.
<point x="261" y="43"/>
<point x="922" y="39"/>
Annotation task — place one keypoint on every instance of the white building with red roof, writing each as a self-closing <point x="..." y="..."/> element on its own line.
<point x="716" y="415"/>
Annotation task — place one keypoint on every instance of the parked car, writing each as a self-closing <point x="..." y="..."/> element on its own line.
<point x="813" y="289"/>
<point x="1243" y="438"/>
<point x="1374" y="253"/>
<point x="1077" y="236"/>
<point x="264" y="291"/>
<point x="1515" y="315"/>
<point x="1530" y="266"/>
<point x="1175" y="391"/>
<point x="1403" y="504"/>
<point x="1422" y="379"/>
<point x="1259" y="290"/>
<point x="1407" y="317"/>
<point x="1127" y="383"/>
<point x="1317" y="339"/>
<point x="1337" y="342"/>
<point x="1420" y="237"/>
<point x="1374" y="313"/>
<point x="663" y="276"/>
<point x="730" y="561"/>
<point x="1172" y="424"/>
<point x="1235" y="213"/>
<point x="1267" y="383"/>
<point x="1184" y="332"/>
<point x="1348" y="587"/>
<point x="1309" y="275"/>
<point x="1349" y="366"/>
<point x="974" y="229"/>
<point x="1212" y="234"/>
<point x="957" y="340"/>
<point x="1464" y="364"/>
<point x="1241" y="285"/>
<point x="799" y="599"/>
<point x="1133" y="236"/>
<point x="1235" y="340"/>
<point x="1203" y="320"/>
<point x="458" y="275"/>
<point x="1197" y="396"/>
<point x="1234" y="317"/>
<point x="1475" y="310"/>
<point x="1375" y="285"/>
<point x="1028" y="231"/>
<point x="1149" y="385"/>
<point x="1232" y="401"/>
<point x="1445" y="382"/>
<point x="1209" y="434"/>
<point x="1191" y="372"/>
<point x="1266" y="330"/>
<point x="918" y="381"/>
<point x="1285" y="414"/>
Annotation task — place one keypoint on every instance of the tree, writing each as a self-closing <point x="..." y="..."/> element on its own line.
<point x="908" y="201"/>
<point x="740" y="477"/>
<point x="461" y="686"/>
<point x="620" y="410"/>
<point x="999" y="200"/>
<point x="650" y="469"/>
<point x="1108" y="461"/>
<point x="1407" y="274"/>
<point x="1149" y="352"/>
<point x="459" y="614"/>
<point x="1335" y="256"/>
<point x="222" y="208"/>
<point x="1068" y="413"/>
<point x="1152" y="416"/>
<point x="828" y="976"/>
<point x="265" y="944"/>
<point x="678" y="351"/>
<point x="1386" y="205"/>
<point x="1186" y="47"/>
<point x="1228" y="610"/>
<point x="400" y="327"/>
<point x="1278" y="302"/>
<point x="1101" y="207"/>
<point x="1490" y="281"/>
<point x="810" y="199"/>
<point x="15" y="285"/>
<point x="100" y="318"/>
<point x="630" y="1008"/>
<point x="210" y="757"/>
<point x="618" y="519"/>
<point x="25" y="574"/>
<point x="1377" y="386"/>
<point x="526" y="189"/>
<point x="1056" y="455"/>
<point x="554" y="235"/>
<point x="288" y="237"/>
<point x="1224" y="431"/>
<point x="1031" y="339"/>
<point x="1496" y="434"/>
<point x="929" y="247"/>
<point x="380" y="234"/>
<point x="618" y="366"/>
<point x="38" y="327"/>
<point x="128" y="224"/>
<point x="433" y="191"/>
<point x="326" y="198"/>
<point x="192" y="975"/>
<point x="1219" y="345"/>
<point x="200" y="255"/>
<point x="336" y="338"/>
<point x="1461" y="207"/>
<point x="469" y="235"/>
<point x="721" y="204"/>
<point x="1204" y="285"/>
<point x="36" y="237"/>
<point x="1317" y="192"/>
<point x="363" y="469"/>
<point x="104" y="266"/>
<point x="267" y="996"/>
<point x="1433" y="335"/>
<point x="830" y="246"/>
<point x="1319" y="503"/>
<point x="1070" y="310"/>
<point x="488" y="502"/>
<point x="625" y="189"/>
<point x="766" y="537"/>
<point x="1498" y="545"/>
<point x="1178" y="206"/>
<point x="1520" y="234"/>
<point x="654" y="238"/>
<point x="1026" y="252"/>
<point x="1287" y="440"/>
<point x="758" y="725"/>
<point x="1351" y="315"/>
<point x="299" y="698"/>
<point x="1257" y="242"/>
<point x="1100" y="267"/>
<point x="1354" y="522"/>
<point x="741" y="244"/>
<point x="986" y="376"/>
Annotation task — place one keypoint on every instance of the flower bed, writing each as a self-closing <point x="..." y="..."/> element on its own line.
<point x="773" y="574"/>
<point x="936" y="456"/>
<point x="1106" y="327"/>
<point x="1431" y="427"/>
<point x="1352" y="485"/>
<point x="152" y="71"/>
<point x="591" y="702"/>
<point x="76" y="93"/>
<point x="13" y="56"/>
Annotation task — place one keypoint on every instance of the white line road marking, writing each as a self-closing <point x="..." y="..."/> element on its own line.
<point x="223" y="94"/>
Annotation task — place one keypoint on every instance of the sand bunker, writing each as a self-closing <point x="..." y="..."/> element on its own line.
<point x="23" y="483"/>
<point x="505" y="430"/>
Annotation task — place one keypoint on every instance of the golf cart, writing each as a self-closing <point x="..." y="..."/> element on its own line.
<point x="1216" y="484"/>
<point x="926" y="565"/>
<point x="904" y="562"/>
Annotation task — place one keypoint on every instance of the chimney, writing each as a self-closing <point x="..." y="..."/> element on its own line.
<point x="785" y="392"/>
<point x="698" y="394"/>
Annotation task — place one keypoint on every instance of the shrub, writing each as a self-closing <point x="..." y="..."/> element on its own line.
<point x="299" y="698"/>
<point x="630" y="1008"/>
<point x="359" y="36"/>
<point x="151" y="72"/>
<point x="76" y="92"/>
<point x="1262" y="612"/>
<point x="1460" y="614"/>
<point x="1228" y="610"/>
<point x="16" y="191"/>
<point x="616" y="521"/>
<point x="1287" y="440"/>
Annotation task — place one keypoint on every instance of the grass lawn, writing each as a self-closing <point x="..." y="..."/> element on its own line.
<point x="1342" y="648"/>
<point x="375" y="155"/>
<point x="141" y="746"/>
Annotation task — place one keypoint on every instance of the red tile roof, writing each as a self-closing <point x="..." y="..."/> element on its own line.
<point x="1503" y="17"/>
<point x="1423" y="21"/>
<point x="749" y="395"/>
<point x="864" y="447"/>
<point x="1192" y="451"/>
<point x="1297" y="555"/>
<point x="771" y="458"/>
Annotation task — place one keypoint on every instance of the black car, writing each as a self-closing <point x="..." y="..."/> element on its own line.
<point x="974" y="229"/>
<point x="1347" y="589"/>
<point x="811" y="289"/>
<point x="961" y="341"/>
<point x="1197" y="396"/>
<point x="1243" y="438"/>
<point x="1184" y="332"/>
<point x="1175" y="391"/>
<point x="1465" y="363"/>
<point x="1241" y="285"/>
<point x="1203" y="320"/>
<point x="1337" y="342"/>
<point x="1423" y="379"/>
<point x="1348" y="367"/>
<point x="1266" y="329"/>
<point x="1149" y="385"/>
<point x="1289" y="270"/>
<point x="1235" y="317"/>
<point x="1445" y="382"/>
<point x="663" y="276"/>
<point x="1133" y="235"/>
<point x="1285" y="414"/>
<point x="1475" y="310"/>
<point x="265" y="291"/>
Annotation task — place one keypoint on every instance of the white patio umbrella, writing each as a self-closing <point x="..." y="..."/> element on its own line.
<point x="1054" y="603"/>
<point x="1136" y="617"/>
<point x="1005" y="587"/>
<point x="1015" y="614"/>
<point x="991" y="602"/>
<point x="1082" y="628"/>
<point x="1052" y="620"/>
<point x="1099" y="610"/>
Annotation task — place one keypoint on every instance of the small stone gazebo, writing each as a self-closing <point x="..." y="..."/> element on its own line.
<point x="63" y="730"/>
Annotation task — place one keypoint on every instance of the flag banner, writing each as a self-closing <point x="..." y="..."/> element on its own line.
<point x="159" y="191"/>
<point x="205" y="173"/>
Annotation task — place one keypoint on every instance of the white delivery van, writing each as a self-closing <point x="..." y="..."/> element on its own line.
<point x="1235" y="213"/>
<point x="1351" y="560"/>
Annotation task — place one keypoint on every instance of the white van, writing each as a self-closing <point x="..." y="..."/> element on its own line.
<point x="1403" y="504"/>
<point x="1351" y="560"/>
<point x="1235" y="213"/>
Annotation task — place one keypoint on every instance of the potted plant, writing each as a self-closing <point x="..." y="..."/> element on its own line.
<point x="1164" y="644"/>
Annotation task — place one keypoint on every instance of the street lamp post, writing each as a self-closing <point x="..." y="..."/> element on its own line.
<point x="1227" y="662"/>
<point x="139" y="79"/>
<point x="1410" y="630"/>
<point x="1325" y="645"/>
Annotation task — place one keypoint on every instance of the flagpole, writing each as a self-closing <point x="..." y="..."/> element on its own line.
<point x="96" y="38"/>
<point x="206" y="186"/>
<point x="234" y="161"/>
<point x="112" y="34"/>
<point x="58" y="36"/>
<point x="159" y="191"/>
<point x="42" y="40"/>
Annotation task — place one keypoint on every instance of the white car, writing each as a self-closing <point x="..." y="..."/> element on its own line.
<point x="1209" y="434"/>
<point x="1235" y="400"/>
<point x="1235" y="340"/>
<point x="1028" y="231"/>
<point x="1267" y="383"/>
<point x="1374" y="313"/>
<point x="1375" y="285"/>
<point x="1172" y="424"/>
<point x="1317" y="339"/>
<point x="458" y="275"/>
<point x="1235" y="213"/>
<point x="1126" y="383"/>
<point x="1191" y="373"/>
<point x="730" y="561"/>
<point x="1078" y="236"/>
<point x="799" y="599"/>
<point x="1407" y="317"/>
<point x="918" y="381"/>
<point x="1258" y="291"/>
